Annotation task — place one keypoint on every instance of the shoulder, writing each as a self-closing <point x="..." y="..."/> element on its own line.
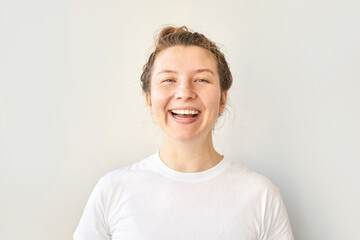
<point x="264" y="196"/>
<point x="127" y="175"/>
<point x="254" y="182"/>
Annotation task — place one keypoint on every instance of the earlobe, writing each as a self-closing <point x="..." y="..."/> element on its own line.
<point x="223" y="102"/>
<point x="148" y="102"/>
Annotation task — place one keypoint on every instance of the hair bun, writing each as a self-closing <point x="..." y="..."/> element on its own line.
<point x="172" y="30"/>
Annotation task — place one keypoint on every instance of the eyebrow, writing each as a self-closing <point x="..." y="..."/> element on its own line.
<point x="166" y="71"/>
<point x="196" y="71"/>
<point x="204" y="70"/>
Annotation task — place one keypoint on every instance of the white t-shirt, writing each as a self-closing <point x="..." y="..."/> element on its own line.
<point x="151" y="201"/>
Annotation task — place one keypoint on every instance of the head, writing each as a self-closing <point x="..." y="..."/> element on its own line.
<point x="172" y="36"/>
<point x="185" y="81"/>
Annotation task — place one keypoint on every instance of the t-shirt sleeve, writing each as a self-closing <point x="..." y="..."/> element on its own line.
<point x="93" y="223"/>
<point x="276" y="225"/>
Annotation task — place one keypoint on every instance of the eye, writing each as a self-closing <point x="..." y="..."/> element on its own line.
<point x="168" y="80"/>
<point x="202" y="80"/>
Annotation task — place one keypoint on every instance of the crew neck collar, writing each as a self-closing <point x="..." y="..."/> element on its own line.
<point x="190" y="177"/>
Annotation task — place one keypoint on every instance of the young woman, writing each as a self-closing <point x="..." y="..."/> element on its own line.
<point x="187" y="190"/>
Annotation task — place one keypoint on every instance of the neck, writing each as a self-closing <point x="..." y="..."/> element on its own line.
<point x="190" y="157"/>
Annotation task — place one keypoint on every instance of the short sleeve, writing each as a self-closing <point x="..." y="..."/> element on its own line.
<point x="276" y="225"/>
<point x="93" y="223"/>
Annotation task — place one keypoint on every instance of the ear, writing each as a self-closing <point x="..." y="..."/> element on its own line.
<point x="223" y="102"/>
<point x="148" y="101"/>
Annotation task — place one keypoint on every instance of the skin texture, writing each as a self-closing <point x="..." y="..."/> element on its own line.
<point x="186" y="77"/>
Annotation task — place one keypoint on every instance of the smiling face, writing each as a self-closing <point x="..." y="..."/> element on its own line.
<point x="185" y="97"/>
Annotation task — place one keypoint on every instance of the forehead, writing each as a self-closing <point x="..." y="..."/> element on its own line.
<point x="184" y="58"/>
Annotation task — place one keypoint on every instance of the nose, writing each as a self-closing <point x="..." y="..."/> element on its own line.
<point x="185" y="91"/>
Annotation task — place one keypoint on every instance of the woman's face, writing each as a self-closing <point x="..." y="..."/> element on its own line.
<point x="185" y="97"/>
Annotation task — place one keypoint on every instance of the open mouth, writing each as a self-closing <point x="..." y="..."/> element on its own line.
<point x="184" y="114"/>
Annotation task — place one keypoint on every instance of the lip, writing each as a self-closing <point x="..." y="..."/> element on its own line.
<point x="185" y="121"/>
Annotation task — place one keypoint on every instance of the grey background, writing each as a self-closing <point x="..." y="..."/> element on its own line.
<point x="71" y="107"/>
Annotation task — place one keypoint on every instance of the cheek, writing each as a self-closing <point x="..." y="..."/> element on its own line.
<point x="159" y="99"/>
<point x="213" y="100"/>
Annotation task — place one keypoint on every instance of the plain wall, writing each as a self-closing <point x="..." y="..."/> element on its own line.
<point x="71" y="107"/>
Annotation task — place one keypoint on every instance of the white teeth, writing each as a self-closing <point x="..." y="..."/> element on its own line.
<point x="185" y="111"/>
